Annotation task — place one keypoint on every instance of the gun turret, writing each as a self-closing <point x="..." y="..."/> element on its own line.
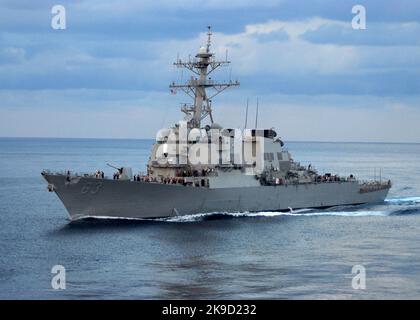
<point x="125" y="173"/>
<point x="120" y="170"/>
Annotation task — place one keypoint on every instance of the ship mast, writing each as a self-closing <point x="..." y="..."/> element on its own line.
<point x="202" y="66"/>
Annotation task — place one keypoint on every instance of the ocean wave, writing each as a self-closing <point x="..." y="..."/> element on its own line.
<point x="405" y="211"/>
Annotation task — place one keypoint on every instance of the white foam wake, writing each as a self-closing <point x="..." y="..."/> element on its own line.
<point x="297" y="213"/>
<point x="403" y="201"/>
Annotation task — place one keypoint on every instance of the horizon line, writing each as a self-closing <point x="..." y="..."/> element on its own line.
<point x="293" y="141"/>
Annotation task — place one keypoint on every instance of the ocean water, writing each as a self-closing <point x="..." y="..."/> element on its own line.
<point x="307" y="254"/>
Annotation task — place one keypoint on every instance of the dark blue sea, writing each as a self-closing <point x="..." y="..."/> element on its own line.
<point x="301" y="255"/>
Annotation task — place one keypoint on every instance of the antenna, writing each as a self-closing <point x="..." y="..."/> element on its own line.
<point x="246" y="113"/>
<point x="256" y="115"/>
<point x="201" y="67"/>
<point x="208" y="38"/>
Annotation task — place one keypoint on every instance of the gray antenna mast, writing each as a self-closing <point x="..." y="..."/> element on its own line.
<point x="246" y="113"/>
<point x="202" y="66"/>
<point x="256" y="115"/>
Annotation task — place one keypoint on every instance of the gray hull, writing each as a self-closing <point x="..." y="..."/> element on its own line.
<point x="90" y="197"/>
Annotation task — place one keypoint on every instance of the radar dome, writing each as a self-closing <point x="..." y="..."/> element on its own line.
<point x="202" y="50"/>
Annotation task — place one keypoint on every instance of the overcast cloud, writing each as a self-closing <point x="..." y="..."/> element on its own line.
<point x="107" y="74"/>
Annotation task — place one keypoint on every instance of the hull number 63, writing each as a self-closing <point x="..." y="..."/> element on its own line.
<point x="91" y="188"/>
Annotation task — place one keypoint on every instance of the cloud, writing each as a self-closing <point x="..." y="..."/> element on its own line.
<point x="277" y="51"/>
<point x="293" y="28"/>
<point x="376" y="34"/>
<point x="115" y="61"/>
<point x="11" y="55"/>
<point x="286" y="57"/>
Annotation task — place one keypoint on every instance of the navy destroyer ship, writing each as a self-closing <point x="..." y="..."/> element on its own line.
<point x="199" y="167"/>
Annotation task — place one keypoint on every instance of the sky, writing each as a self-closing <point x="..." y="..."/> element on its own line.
<point x="106" y="75"/>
